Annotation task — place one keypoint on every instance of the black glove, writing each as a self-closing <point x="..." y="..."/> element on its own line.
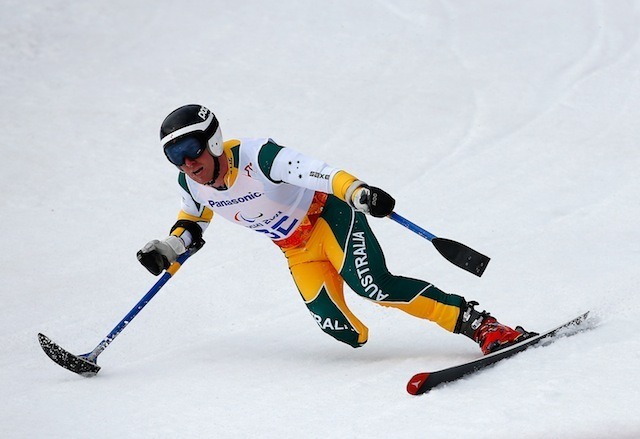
<point x="373" y="200"/>
<point x="156" y="255"/>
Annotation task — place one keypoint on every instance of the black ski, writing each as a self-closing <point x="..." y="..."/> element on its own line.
<point x="425" y="381"/>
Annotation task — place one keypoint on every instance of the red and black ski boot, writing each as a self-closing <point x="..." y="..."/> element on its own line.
<point x="485" y="330"/>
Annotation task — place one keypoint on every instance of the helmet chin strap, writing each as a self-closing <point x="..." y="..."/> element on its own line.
<point x="216" y="174"/>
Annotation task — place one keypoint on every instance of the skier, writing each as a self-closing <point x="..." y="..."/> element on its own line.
<point x="315" y="213"/>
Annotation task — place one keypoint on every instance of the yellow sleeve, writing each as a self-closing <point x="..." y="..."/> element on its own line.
<point x="203" y="220"/>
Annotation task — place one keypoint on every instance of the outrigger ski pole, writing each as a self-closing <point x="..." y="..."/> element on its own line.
<point x="86" y="364"/>
<point x="458" y="254"/>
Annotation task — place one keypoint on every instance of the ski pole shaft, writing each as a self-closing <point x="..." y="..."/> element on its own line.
<point x="411" y="226"/>
<point x="91" y="356"/>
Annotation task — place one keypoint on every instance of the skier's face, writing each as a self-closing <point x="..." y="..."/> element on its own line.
<point x="202" y="168"/>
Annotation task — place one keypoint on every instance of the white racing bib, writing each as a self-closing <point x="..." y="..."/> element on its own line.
<point x="271" y="193"/>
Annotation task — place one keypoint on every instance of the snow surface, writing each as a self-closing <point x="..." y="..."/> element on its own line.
<point x="510" y="126"/>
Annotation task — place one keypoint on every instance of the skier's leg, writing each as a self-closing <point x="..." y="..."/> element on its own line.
<point x="321" y="288"/>
<point x="344" y="238"/>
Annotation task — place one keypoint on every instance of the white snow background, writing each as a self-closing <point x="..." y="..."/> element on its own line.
<point x="510" y="126"/>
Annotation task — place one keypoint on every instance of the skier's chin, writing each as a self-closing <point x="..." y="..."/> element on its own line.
<point x="201" y="175"/>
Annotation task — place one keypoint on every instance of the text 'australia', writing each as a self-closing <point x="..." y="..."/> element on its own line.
<point x="361" y="263"/>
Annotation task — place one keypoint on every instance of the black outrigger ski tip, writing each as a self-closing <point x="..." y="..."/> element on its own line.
<point x="462" y="256"/>
<point x="75" y="363"/>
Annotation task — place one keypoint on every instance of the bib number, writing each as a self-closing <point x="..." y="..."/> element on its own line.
<point x="281" y="228"/>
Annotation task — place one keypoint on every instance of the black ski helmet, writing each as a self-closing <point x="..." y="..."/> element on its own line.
<point x="192" y="120"/>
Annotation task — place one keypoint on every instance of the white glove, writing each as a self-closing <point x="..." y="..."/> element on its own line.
<point x="159" y="255"/>
<point x="360" y="198"/>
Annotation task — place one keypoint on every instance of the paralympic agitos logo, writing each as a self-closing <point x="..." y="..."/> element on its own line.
<point x="240" y="217"/>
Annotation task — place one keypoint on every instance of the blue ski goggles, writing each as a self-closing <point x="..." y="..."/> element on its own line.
<point x="178" y="152"/>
